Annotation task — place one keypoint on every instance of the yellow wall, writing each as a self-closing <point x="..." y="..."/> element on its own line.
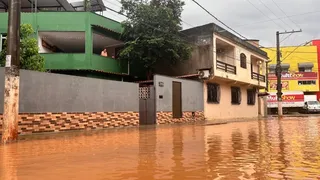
<point x="303" y="54"/>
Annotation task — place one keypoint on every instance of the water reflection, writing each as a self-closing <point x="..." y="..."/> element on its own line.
<point x="271" y="149"/>
<point x="8" y="170"/>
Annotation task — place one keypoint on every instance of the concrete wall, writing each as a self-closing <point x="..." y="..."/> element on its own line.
<point x="225" y="110"/>
<point x="192" y="94"/>
<point x="47" y="92"/>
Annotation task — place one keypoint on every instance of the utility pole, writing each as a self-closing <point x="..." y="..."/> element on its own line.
<point x="12" y="78"/>
<point x="279" y="71"/>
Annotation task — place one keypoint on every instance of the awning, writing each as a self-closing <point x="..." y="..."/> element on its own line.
<point x="272" y="66"/>
<point x="305" y="65"/>
<point x="285" y="66"/>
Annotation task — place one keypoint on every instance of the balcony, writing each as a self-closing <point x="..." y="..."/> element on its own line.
<point x="258" y="77"/>
<point x="77" y="61"/>
<point x="226" y="67"/>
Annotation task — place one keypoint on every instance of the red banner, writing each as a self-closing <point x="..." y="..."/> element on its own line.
<point x="287" y="98"/>
<point x="295" y="76"/>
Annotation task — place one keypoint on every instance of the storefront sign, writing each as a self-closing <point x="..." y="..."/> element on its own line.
<point x="285" y="85"/>
<point x="295" y="76"/>
<point x="287" y="98"/>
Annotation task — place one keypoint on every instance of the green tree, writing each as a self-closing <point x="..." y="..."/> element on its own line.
<point x="30" y="58"/>
<point x="152" y="32"/>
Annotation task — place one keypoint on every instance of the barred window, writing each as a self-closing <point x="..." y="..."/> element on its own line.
<point x="251" y="97"/>
<point x="235" y="95"/>
<point x="213" y="93"/>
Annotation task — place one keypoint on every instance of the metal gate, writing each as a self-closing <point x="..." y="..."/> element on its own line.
<point x="147" y="105"/>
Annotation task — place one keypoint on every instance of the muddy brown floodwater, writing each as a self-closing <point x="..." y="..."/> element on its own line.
<point x="270" y="149"/>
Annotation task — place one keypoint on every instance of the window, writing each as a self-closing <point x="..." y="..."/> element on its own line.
<point x="243" y="61"/>
<point x="307" y="83"/>
<point x="304" y="69"/>
<point x="285" y="70"/>
<point x="272" y="71"/>
<point x="251" y="97"/>
<point x="213" y="93"/>
<point x="235" y="95"/>
<point x="2" y="40"/>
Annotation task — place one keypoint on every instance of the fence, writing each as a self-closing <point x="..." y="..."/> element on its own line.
<point x="47" y="92"/>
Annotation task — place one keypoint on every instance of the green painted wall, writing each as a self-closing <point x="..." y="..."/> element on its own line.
<point x="107" y="64"/>
<point x="72" y="21"/>
<point x="96" y="19"/>
<point x="78" y="61"/>
<point x="65" y="61"/>
<point x="62" y="21"/>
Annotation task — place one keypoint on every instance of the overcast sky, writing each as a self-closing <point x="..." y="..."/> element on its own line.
<point x="256" y="19"/>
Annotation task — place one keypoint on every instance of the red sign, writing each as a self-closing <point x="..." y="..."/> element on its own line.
<point x="287" y="98"/>
<point x="295" y="76"/>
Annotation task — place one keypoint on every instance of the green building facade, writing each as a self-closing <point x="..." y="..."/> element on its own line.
<point x="71" y="42"/>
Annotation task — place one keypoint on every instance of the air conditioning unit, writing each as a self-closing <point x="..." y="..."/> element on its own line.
<point x="204" y="74"/>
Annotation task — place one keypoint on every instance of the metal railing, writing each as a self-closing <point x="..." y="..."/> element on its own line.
<point x="226" y="67"/>
<point x="258" y="77"/>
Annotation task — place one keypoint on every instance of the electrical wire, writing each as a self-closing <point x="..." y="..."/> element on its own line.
<point x="285" y="38"/>
<point x="258" y="22"/>
<point x="265" y="14"/>
<point x="218" y="19"/>
<point x="286" y="14"/>
<point x="274" y="14"/>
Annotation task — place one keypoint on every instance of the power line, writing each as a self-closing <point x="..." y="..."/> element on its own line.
<point x="303" y="44"/>
<point x="285" y="38"/>
<point x="274" y="14"/>
<point x="286" y="14"/>
<point x="264" y="14"/>
<point x="258" y="22"/>
<point x="218" y="19"/>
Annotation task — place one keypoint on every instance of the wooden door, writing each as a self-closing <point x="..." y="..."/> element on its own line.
<point x="176" y="100"/>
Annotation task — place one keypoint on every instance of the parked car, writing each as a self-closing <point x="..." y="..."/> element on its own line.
<point x="311" y="106"/>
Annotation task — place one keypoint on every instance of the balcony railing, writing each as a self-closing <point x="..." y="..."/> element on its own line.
<point x="226" y="67"/>
<point x="258" y="77"/>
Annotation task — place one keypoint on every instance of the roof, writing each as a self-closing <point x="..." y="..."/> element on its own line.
<point x="212" y="28"/>
<point x="89" y="70"/>
<point x="41" y="4"/>
<point x="183" y="76"/>
<point x="96" y="5"/>
<point x="63" y="5"/>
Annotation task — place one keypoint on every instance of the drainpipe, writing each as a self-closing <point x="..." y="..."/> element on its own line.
<point x="259" y="99"/>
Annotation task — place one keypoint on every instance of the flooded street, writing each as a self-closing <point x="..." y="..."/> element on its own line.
<point x="271" y="149"/>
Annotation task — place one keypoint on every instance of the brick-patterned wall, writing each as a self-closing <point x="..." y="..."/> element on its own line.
<point x="56" y="122"/>
<point x="166" y="117"/>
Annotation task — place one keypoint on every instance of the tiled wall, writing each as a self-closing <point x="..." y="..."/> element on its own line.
<point x="166" y="117"/>
<point x="56" y="122"/>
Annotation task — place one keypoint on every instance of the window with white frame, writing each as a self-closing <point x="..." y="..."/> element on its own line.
<point x="3" y="37"/>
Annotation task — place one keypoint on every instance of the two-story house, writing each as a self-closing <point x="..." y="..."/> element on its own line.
<point x="72" y="40"/>
<point x="232" y="71"/>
